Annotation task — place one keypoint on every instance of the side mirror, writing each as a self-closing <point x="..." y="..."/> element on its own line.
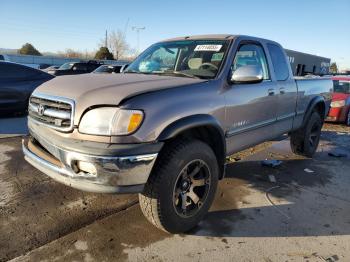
<point x="247" y="74"/>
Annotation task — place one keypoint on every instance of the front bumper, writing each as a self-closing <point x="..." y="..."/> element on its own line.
<point x="112" y="174"/>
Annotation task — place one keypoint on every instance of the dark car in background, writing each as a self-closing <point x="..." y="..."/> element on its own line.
<point x="17" y="82"/>
<point x="110" y="69"/>
<point x="75" y="68"/>
<point x="340" y="106"/>
<point x="50" y="68"/>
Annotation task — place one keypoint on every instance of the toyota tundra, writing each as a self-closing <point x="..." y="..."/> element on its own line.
<point x="164" y="127"/>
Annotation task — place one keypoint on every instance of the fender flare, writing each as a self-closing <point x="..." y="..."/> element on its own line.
<point x="190" y="122"/>
<point x="197" y="121"/>
<point x="312" y="104"/>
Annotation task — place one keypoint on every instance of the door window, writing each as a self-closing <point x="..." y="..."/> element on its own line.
<point x="251" y="54"/>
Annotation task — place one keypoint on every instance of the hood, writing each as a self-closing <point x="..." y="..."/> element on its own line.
<point x="339" y="96"/>
<point x="107" y="89"/>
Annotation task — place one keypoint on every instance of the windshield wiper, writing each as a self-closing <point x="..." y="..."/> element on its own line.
<point x="132" y="72"/>
<point x="179" y="74"/>
<point x="185" y="74"/>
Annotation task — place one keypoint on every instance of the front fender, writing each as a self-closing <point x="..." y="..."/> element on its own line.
<point x="318" y="100"/>
<point x="188" y="123"/>
<point x="201" y="124"/>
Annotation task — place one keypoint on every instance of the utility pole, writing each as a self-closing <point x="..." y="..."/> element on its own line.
<point x="138" y="29"/>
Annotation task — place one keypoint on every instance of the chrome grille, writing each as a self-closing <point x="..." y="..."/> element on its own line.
<point x="55" y="112"/>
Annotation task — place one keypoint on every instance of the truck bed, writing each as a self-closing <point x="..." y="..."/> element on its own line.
<point x="308" y="89"/>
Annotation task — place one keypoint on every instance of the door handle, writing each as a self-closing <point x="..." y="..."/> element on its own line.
<point x="282" y="91"/>
<point x="271" y="91"/>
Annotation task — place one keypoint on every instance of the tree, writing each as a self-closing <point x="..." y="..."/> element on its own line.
<point x="333" y="68"/>
<point x="104" y="53"/>
<point x="71" y="53"/>
<point x="28" y="49"/>
<point x="116" y="42"/>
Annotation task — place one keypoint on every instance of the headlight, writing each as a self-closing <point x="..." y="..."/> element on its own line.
<point x="110" y="121"/>
<point x="339" y="103"/>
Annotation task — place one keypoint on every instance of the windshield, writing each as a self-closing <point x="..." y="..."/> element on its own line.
<point x="341" y="86"/>
<point x="189" y="58"/>
<point x="66" y="66"/>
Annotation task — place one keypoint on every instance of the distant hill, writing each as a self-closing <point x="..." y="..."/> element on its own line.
<point x="8" y="51"/>
<point x="51" y="54"/>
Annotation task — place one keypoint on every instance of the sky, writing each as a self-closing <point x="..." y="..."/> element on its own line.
<point x="320" y="27"/>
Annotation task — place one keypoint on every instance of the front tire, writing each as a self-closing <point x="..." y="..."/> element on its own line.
<point x="182" y="186"/>
<point x="305" y="141"/>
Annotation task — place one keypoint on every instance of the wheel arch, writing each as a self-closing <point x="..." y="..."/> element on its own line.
<point x="317" y="104"/>
<point x="203" y="127"/>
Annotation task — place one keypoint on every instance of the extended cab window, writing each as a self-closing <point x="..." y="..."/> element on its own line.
<point x="279" y="62"/>
<point x="251" y="54"/>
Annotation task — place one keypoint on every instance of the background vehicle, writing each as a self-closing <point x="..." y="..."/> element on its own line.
<point x="17" y="82"/>
<point x="50" y="68"/>
<point x="75" y="68"/>
<point x="108" y="69"/>
<point x="164" y="127"/>
<point x="340" y="106"/>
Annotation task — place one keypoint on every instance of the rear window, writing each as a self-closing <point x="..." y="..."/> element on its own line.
<point x="80" y="67"/>
<point x="279" y="62"/>
<point x="108" y="69"/>
<point x="66" y="66"/>
<point x="340" y="86"/>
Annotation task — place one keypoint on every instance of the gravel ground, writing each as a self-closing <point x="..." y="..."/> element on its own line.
<point x="303" y="216"/>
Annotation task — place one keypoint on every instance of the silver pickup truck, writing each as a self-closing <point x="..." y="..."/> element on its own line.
<point x="164" y="127"/>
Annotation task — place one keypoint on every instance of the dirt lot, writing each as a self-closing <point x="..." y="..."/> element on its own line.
<point x="303" y="216"/>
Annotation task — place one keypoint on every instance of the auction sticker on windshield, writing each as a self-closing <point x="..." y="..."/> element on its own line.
<point x="214" y="48"/>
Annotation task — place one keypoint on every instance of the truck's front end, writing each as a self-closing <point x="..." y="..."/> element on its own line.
<point x="155" y="129"/>
<point x="81" y="133"/>
<point x="56" y="148"/>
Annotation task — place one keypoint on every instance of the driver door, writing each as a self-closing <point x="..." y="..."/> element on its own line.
<point x="250" y="107"/>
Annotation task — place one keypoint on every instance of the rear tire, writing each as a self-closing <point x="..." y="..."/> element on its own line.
<point x="304" y="141"/>
<point x="348" y="119"/>
<point x="182" y="186"/>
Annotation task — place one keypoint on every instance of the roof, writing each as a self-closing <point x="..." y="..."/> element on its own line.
<point x="200" y="37"/>
<point x="218" y="37"/>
